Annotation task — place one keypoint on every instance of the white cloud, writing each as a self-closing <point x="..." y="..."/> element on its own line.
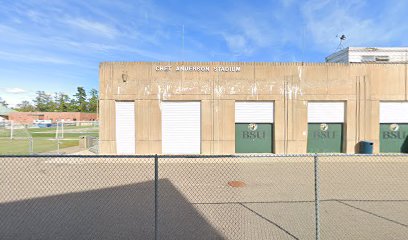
<point x="257" y="31"/>
<point x="287" y="3"/>
<point x="93" y="26"/>
<point x="32" y="57"/>
<point x="36" y="16"/>
<point x="261" y="30"/>
<point x="57" y="43"/>
<point x="15" y="90"/>
<point x="247" y="36"/>
<point x="237" y="43"/>
<point x="13" y="99"/>
<point x="326" y="19"/>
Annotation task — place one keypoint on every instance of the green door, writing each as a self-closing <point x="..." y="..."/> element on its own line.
<point x="325" y="138"/>
<point x="394" y="137"/>
<point x="253" y="138"/>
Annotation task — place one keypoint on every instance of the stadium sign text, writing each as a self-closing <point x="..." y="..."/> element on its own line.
<point x="169" y="68"/>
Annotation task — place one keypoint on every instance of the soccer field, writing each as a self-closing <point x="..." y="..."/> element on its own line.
<point x="362" y="197"/>
<point x="42" y="140"/>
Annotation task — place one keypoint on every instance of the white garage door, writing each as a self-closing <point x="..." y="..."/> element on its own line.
<point x="325" y="112"/>
<point x="393" y="112"/>
<point x="254" y="112"/>
<point x="181" y="127"/>
<point x="125" y="127"/>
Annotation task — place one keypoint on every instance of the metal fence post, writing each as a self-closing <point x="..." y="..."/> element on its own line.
<point x="30" y="146"/>
<point x="58" y="146"/>
<point x="317" y="196"/>
<point x="156" y="197"/>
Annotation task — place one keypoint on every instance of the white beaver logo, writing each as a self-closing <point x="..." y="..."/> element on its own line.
<point x="394" y="127"/>
<point x="324" y="127"/>
<point x="252" y="126"/>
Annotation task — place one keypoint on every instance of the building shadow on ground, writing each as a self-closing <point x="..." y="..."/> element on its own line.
<point x="121" y="212"/>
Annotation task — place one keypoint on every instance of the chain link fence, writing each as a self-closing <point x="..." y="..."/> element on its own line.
<point x="68" y="137"/>
<point x="364" y="196"/>
<point x="204" y="197"/>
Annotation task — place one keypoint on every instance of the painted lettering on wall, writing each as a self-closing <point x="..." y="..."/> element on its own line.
<point x="163" y="68"/>
<point x="394" y="135"/>
<point x="253" y="135"/>
<point x="324" y="134"/>
<point x="169" y="68"/>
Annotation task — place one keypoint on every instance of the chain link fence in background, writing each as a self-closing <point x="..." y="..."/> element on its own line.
<point x="204" y="197"/>
<point x="49" y="138"/>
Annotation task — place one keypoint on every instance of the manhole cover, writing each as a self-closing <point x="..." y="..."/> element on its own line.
<point x="236" y="184"/>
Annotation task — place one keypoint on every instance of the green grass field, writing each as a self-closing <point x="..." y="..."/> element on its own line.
<point x="43" y="139"/>
<point x="40" y="145"/>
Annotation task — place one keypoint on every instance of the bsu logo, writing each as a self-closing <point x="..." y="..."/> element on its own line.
<point x="252" y="133"/>
<point x="394" y="133"/>
<point x="324" y="134"/>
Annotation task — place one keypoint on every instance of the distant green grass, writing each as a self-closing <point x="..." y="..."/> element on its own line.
<point x="43" y="139"/>
<point x="49" y="132"/>
<point x="40" y="145"/>
<point x="4" y="133"/>
<point x="66" y="135"/>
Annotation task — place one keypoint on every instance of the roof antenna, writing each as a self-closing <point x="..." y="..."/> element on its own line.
<point x="341" y="38"/>
<point x="182" y="43"/>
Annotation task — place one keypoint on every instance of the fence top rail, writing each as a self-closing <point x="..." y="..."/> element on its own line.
<point x="284" y="155"/>
<point x="206" y="156"/>
<point x="16" y="138"/>
<point x="75" y="156"/>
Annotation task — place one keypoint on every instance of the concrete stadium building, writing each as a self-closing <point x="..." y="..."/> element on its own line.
<point x="233" y="107"/>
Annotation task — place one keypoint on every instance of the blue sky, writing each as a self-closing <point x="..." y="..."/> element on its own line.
<point x="56" y="45"/>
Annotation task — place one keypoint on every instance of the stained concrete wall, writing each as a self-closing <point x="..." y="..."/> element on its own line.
<point x="289" y="85"/>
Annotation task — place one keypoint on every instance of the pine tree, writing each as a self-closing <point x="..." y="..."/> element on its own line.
<point x="93" y="101"/>
<point x="80" y="100"/>
<point x="62" y="102"/>
<point x="25" y="106"/>
<point x="43" y="102"/>
<point x="3" y="102"/>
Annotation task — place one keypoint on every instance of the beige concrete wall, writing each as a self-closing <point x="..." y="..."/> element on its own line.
<point x="289" y="85"/>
